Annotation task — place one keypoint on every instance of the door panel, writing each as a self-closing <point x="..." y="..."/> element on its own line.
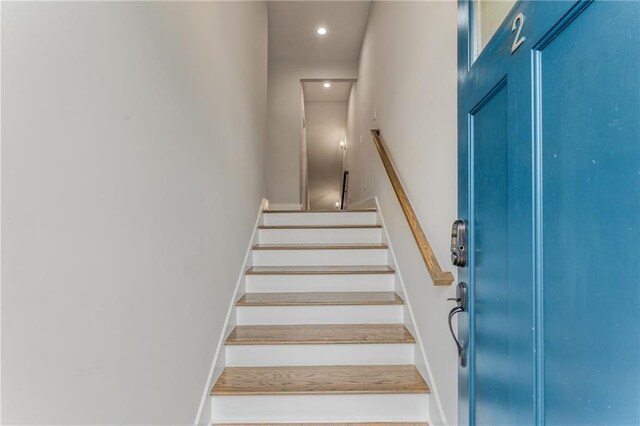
<point x="549" y="181"/>
<point x="491" y="296"/>
<point x="591" y="218"/>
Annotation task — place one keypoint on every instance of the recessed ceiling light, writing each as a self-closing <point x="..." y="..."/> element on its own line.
<point x="321" y="30"/>
<point x="326" y="85"/>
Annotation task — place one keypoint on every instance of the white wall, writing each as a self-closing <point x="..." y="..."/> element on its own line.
<point x="284" y="112"/>
<point x="407" y="76"/>
<point x="326" y="127"/>
<point x="132" y="168"/>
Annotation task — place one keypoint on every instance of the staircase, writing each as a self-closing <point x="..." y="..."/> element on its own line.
<point x="320" y="332"/>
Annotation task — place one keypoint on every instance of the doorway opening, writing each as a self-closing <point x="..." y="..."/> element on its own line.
<point x="324" y="142"/>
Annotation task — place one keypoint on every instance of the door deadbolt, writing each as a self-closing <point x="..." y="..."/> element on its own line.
<point x="459" y="243"/>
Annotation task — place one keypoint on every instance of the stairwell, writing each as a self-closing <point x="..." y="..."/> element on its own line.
<point x="321" y="332"/>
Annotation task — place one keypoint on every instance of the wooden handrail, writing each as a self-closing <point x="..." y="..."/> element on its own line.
<point x="438" y="276"/>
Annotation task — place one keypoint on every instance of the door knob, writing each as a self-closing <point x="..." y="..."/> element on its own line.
<point x="461" y="306"/>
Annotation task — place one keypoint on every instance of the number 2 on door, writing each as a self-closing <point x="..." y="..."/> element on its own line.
<point x="518" y="23"/>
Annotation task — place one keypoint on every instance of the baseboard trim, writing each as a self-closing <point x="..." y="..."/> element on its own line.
<point x="217" y="365"/>
<point x="435" y="396"/>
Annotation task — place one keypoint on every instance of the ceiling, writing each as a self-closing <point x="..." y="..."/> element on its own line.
<point x="314" y="91"/>
<point x="293" y="24"/>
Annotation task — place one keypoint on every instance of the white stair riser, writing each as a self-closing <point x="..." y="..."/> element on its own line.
<point x="344" y="314"/>
<point x="335" y="354"/>
<point x="320" y="236"/>
<point x="353" y="218"/>
<point x="308" y="283"/>
<point x="319" y="257"/>
<point x="320" y="408"/>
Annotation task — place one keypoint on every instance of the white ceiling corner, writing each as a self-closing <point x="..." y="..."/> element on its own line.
<point x="293" y="24"/>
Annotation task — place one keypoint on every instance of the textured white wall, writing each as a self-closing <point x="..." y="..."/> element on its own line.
<point x="407" y="76"/>
<point x="284" y="115"/>
<point x="133" y="141"/>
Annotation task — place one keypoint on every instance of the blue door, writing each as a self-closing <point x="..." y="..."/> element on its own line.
<point x="549" y="183"/>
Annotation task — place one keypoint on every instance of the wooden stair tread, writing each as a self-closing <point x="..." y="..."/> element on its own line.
<point x="322" y="424"/>
<point x="319" y="334"/>
<point x="320" y="227"/>
<point x="321" y="298"/>
<point x="319" y="380"/>
<point x="353" y="246"/>
<point x="320" y="270"/>
<point x="322" y="211"/>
